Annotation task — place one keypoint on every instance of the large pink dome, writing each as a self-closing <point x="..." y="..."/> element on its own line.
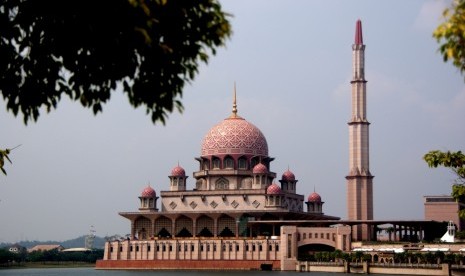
<point x="148" y="192"/>
<point x="234" y="136"/>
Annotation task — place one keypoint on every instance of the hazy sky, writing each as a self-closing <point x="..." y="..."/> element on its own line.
<point x="291" y="61"/>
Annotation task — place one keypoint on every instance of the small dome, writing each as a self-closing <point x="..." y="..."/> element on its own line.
<point x="260" y="169"/>
<point x="288" y="176"/>
<point x="178" y="171"/>
<point x="148" y="192"/>
<point x="273" y="189"/>
<point x="314" y="197"/>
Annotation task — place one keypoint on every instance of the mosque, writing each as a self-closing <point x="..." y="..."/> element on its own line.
<point x="237" y="216"/>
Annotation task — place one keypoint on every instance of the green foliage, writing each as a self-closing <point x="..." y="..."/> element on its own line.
<point x="84" y="49"/>
<point x="451" y="35"/>
<point x="456" y="162"/>
<point x="7" y="256"/>
<point x="55" y="256"/>
<point x="460" y="235"/>
<point x="366" y="258"/>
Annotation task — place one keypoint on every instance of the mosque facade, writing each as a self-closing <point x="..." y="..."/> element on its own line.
<point x="237" y="216"/>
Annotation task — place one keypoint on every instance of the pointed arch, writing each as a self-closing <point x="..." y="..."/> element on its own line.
<point x="242" y="163"/>
<point x="205" y="226"/>
<point x="163" y="227"/>
<point x="142" y="228"/>
<point x="216" y="163"/>
<point x="222" y="184"/>
<point x="184" y="227"/>
<point x="205" y="164"/>
<point x="226" y="226"/>
<point x="228" y="162"/>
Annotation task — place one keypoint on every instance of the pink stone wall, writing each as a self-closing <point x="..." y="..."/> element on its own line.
<point x="185" y="264"/>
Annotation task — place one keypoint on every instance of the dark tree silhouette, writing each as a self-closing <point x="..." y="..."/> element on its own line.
<point x="84" y="49"/>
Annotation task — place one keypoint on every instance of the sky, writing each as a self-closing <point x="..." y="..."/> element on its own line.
<point x="291" y="62"/>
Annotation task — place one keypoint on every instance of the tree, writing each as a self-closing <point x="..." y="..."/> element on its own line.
<point x="456" y="162"/>
<point x="451" y="35"/>
<point x="85" y="49"/>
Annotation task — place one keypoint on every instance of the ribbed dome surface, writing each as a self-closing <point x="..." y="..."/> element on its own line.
<point x="288" y="176"/>
<point x="314" y="197"/>
<point x="178" y="171"/>
<point x="148" y="192"/>
<point x="234" y="136"/>
<point x="260" y="169"/>
<point x="273" y="189"/>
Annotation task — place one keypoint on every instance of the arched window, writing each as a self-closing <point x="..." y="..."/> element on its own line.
<point x="205" y="226"/>
<point x="163" y="227"/>
<point x="226" y="226"/>
<point x="242" y="163"/>
<point x="206" y="164"/>
<point x="216" y="163"/>
<point x="222" y="184"/>
<point x="254" y="162"/>
<point x="200" y="184"/>
<point x="142" y="225"/>
<point x="228" y="163"/>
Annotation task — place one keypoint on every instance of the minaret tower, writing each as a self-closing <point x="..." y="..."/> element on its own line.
<point x="359" y="179"/>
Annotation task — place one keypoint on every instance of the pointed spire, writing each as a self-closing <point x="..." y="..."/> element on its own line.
<point x="234" y="109"/>
<point x="358" y="33"/>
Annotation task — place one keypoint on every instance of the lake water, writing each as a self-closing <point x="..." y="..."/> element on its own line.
<point x="92" y="272"/>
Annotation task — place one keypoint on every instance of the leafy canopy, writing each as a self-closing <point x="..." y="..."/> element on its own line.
<point x="451" y="35"/>
<point x="453" y="160"/>
<point x="456" y="162"/>
<point x="84" y="49"/>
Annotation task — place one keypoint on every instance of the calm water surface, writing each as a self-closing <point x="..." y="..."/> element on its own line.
<point x="92" y="272"/>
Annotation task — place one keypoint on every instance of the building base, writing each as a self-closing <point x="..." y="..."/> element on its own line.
<point x="189" y="264"/>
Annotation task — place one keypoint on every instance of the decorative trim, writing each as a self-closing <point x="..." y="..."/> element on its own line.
<point x="255" y="204"/>
<point x="213" y="204"/>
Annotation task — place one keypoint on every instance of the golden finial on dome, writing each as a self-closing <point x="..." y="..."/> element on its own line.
<point x="234" y="109"/>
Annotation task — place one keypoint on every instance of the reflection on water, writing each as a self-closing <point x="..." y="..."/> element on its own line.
<point x="86" y="271"/>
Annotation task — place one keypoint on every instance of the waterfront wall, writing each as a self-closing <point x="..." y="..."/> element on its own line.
<point x="442" y="270"/>
<point x="367" y="268"/>
<point x="188" y="264"/>
<point x="194" y="249"/>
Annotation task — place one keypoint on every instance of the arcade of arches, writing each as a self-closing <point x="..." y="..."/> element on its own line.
<point x="217" y="225"/>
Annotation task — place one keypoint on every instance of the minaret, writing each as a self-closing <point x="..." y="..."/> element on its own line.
<point x="359" y="179"/>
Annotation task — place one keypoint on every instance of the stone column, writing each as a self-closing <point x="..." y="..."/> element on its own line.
<point x="173" y="227"/>
<point x="215" y="227"/>
<point x="194" y="227"/>
<point x="133" y="229"/>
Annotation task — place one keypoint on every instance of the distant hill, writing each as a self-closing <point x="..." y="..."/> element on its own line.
<point x="99" y="242"/>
